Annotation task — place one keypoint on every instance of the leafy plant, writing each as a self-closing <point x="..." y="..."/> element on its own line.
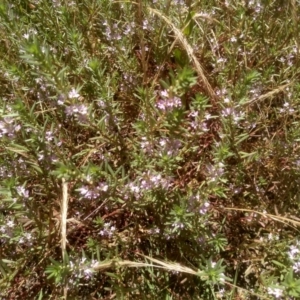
<point x="149" y="149"/>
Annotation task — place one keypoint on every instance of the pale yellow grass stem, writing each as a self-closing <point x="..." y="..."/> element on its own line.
<point x="189" y="50"/>
<point x="64" y="212"/>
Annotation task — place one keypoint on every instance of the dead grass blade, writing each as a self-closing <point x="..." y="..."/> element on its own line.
<point x="179" y="268"/>
<point x="205" y="17"/>
<point x="284" y="220"/>
<point x="113" y="263"/>
<point x="189" y="50"/>
<point x="64" y="212"/>
<point x="269" y="94"/>
<point x="170" y="266"/>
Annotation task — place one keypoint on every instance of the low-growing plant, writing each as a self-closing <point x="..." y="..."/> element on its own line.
<point x="149" y="149"/>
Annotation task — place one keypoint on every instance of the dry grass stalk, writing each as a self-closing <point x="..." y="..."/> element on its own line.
<point x="269" y="94"/>
<point x="205" y="17"/>
<point x="184" y="43"/>
<point x="64" y="212"/>
<point x="168" y="266"/>
<point x="176" y="267"/>
<point x="120" y="263"/>
<point x="284" y="220"/>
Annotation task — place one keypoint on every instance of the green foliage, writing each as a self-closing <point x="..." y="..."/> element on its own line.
<point x="291" y="285"/>
<point x="167" y="131"/>
<point x="213" y="273"/>
<point x="57" y="271"/>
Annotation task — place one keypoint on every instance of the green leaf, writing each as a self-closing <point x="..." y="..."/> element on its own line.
<point x="109" y="169"/>
<point x="36" y="167"/>
<point x="241" y="138"/>
<point x="21" y="150"/>
<point x="180" y="57"/>
<point x="245" y="154"/>
<point x="252" y="77"/>
<point x="279" y="264"/>
<point x="189" y="24"/>
<point x="40" y="295"/>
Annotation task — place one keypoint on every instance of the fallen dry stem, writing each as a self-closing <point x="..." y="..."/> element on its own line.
<point x="168" y="266"/>
<point x="269" y="94"/>
<point x="189" y="50"/>
<point x="280" y="219"/>
<point x="64" y="212"/>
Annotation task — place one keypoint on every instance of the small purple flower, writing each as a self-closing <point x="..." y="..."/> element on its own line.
<point x="10" y="224"/>
<point x="193" y="114"/>
<point x="93" y="192"/>
<point x="49" y="136"/>
<point x="215" y="172"/>
<point x="146" y="146"/>
<point x="164" y="94"/>
<point x="89" y="192"/>
<point x="293" y="252"/>
<point x="296" y="266"/>
<point x="79" y="111"/>
<point x="178" y="225"/>
<point x="170" y="146"/>
<point x="227" y="112"/>
<point x="275" y="291"/>
<point x="167" y="103"/>
<point x="287" y="108"/>
<point x="8" y="127"/>
<point x="76" y="110"/>
<point x="207" y="116"/>
<point x="134" y="188"/>
<point x="103" y="186"/>
<point x="204" y="208"/>
<point x="107" y="230"/>
<point x="204" y="127"/>
<point x="22" y="192"/>
<point x="101" y="103"/>
<point x="155" y="230"/>
<point x="73" y="94"/>
<point x="127" y="30"/>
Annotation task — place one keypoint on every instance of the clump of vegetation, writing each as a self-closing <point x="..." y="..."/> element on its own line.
<point x="149" y="149"/>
